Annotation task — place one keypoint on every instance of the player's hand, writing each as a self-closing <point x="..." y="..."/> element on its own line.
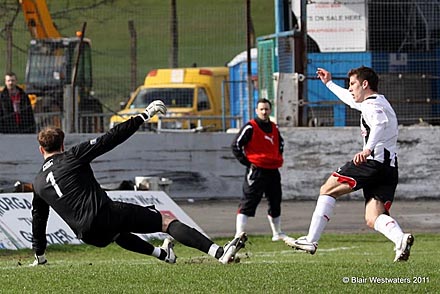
<point x="39" y="260"/>
<point x="157" y="106"/>
<point x="324" y="75"/>
<point x="361" y="157"/>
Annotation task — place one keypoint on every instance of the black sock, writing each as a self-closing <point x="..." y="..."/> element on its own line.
<point x="219" y="252"/>
<point x="189" y="236"/>
<point x="163" y="254"/>
<point x="134" y="243"/>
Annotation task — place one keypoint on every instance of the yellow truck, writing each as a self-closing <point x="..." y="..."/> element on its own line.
<point x="197" y="99"/>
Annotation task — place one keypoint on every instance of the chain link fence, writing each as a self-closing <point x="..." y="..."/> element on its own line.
<point x="127" y="40"/>
<point x="400" y="39"/>
<point x="402" y="43"/>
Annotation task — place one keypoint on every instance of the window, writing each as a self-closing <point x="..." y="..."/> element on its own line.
<point x="172" y="97"/>
<point x="203" y="101"/>
<point x="46" y="64"/>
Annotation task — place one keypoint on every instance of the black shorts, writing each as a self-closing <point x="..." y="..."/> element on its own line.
<point x="259" y="182"/>
<point x="378" y="180"/>
<point x="120" y="217"/>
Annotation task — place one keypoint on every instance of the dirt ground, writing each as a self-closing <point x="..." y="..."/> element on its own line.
<point x="217" y="217"/>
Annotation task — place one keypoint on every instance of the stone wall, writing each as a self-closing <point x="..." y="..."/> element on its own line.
<point x="202" y="165"/>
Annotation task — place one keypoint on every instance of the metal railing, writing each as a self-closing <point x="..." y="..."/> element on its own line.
<point x="195" y="123"/>
<point x="99" y="122"/>
<point x="88" y="122"/>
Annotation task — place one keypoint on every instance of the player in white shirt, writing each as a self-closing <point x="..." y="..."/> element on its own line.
<point x="374" y="169"/>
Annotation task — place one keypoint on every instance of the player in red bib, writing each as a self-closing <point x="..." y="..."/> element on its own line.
<point x="259" y="147"/>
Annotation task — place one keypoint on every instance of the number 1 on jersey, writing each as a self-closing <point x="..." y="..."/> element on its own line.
<point x="50" y="178"/>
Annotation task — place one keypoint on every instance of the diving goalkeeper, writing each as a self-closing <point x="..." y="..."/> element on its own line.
<point x="66" y="183"/>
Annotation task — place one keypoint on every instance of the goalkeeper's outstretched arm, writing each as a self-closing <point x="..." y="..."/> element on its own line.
<point x="89" y="150"/>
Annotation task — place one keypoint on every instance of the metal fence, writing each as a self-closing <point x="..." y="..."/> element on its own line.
<point x="195" y="124"/>
<point x="403" y="45"/>
<point x="128" y="39"/>
<point x="400" y="39"/>
<point x="87" y="122"/>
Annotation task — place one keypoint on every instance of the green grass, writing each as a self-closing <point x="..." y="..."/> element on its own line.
<point x="265" y="267"/>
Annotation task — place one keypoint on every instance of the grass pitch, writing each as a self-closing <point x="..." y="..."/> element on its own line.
<point x="342" y="264"/>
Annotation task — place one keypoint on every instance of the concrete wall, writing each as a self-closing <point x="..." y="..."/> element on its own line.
<point x="202" y="165"/>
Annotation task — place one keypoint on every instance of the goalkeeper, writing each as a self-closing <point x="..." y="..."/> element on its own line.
<point x="66" y="183"/>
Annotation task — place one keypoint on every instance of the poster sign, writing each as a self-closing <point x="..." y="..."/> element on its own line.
<point x="338" y="26"/>
<point x="16" y="219"/>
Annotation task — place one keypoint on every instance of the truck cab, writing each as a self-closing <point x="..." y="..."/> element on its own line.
<point x="197" y="99"/>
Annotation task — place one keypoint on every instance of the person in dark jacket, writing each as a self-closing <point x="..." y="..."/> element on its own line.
<point x="66" y="183"/>
<point x="16" y="114"/>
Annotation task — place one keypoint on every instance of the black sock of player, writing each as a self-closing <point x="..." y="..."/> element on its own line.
<point x="219" y="252"/>
<point x="189" y="236"/>
<point x="134" y="243"/>
<point x="163" y="254"/>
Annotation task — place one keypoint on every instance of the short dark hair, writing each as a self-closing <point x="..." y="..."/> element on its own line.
<point x="366" y="73"/>
<point x="51" y="139"/>
<point x="11" y="74"/>
<point x="264" y="100"/>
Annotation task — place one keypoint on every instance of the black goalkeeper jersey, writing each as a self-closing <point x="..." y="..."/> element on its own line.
<point x="66" y="183"/>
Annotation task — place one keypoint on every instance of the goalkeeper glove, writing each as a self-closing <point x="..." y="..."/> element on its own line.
<point x="157" y="106"/>
<point x="39" y="260"/>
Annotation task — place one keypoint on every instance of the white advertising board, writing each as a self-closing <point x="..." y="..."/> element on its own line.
<point x="16" y="219"/>
<point x="338" y="26"/>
